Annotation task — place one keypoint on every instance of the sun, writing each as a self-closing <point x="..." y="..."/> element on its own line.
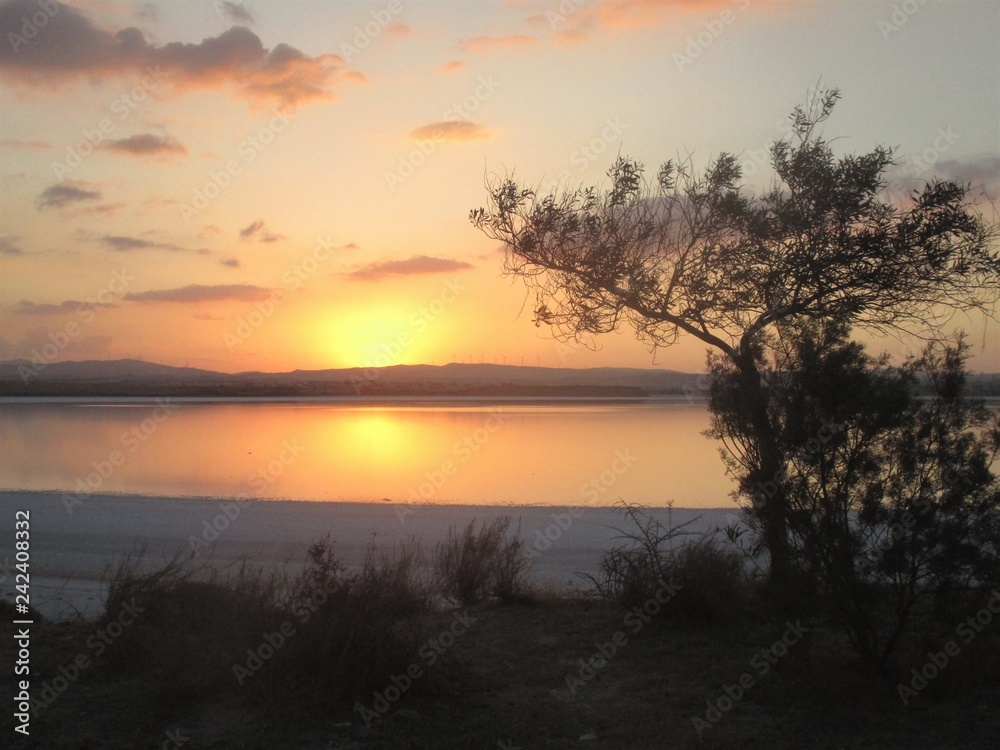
<point x="373" y="337"/>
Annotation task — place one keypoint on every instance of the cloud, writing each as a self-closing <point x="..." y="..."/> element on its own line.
<point x="147" y="12"/>
<point x="14" y="143"/>
<point x="570" y="37"/>
<point x="451" y="130"/>
<point x="202" y="293"/>
<point x="982" y="173"/>
<point x="576" y="22"/>
<point x="207" y="316"/>
<point x="9" y="246"/>
<point x="64" y="194"/>
<point x="146" y="144"/>
<point x="102" y="209"/>
<point x="251" y="229"/>
<point x="416" y="266"/>
<point x="398" y="29"/>
<point x="483" y="45"/>
<point x="71" y="49"/>
<point x="230" y="262"/>
<point x="235" y="12"/>
<point x="159" y="202"/>
<point x="453" y="66"/>
<point x="258" y="230"/>
<point x="26" y="307"/>
<point x="125" y="244"/>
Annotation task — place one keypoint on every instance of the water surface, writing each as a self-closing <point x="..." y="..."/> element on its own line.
<point x="441" y="452"/>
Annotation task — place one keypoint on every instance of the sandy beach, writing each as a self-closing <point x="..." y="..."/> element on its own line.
<point x="74" y="538"/>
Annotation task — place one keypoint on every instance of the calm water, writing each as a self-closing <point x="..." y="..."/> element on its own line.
<point x="562" y="454"/>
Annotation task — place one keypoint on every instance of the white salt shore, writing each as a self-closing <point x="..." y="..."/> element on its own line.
<point x="74" y="538"/>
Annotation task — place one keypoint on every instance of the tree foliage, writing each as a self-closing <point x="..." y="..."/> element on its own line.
<point x="699" y="254"/>
<point x="891" y="497"/>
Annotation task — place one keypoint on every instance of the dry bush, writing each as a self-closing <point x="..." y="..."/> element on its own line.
<point x="472" y="565"/>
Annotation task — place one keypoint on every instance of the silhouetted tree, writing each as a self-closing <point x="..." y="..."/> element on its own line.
<point x="699" y="255"/>
<point x="891" y="497"/>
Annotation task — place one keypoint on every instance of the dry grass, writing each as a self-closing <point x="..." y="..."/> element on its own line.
<point x="493" y="561"/>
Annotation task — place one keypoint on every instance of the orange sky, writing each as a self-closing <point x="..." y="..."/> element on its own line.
<point x="280" y="185"/>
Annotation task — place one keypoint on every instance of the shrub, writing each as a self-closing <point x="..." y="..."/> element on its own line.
<point x="711" y="580"/>
<point x="342" y="633"/>
<point x="472" y="565"/>
<point x="353" y="631"/>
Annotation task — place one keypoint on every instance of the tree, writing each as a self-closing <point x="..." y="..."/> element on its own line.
<point x="891" y="497"/>
<point x="699" y="255"/>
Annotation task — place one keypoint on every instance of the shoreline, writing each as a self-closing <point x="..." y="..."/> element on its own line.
<point x="71" y="547"/>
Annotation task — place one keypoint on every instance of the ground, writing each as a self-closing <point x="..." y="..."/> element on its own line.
<point x="495" y="676"/>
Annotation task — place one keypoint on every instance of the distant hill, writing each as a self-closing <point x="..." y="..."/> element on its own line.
<point x="128" y="377"/>
<point x="131" y="377"/>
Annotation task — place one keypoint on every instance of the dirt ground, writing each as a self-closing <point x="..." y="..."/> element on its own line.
<point x="511" y="676"/>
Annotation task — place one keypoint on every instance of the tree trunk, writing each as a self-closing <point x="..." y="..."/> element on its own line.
<point x="766" y="488"/>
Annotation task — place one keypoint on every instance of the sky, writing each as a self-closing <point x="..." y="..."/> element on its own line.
<point x="286" y="185"/>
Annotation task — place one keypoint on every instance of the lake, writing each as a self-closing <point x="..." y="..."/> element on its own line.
<point x="439" y="452"/>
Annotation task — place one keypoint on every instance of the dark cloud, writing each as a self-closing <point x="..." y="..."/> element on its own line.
<point x="909" y="175"/>
<point x="147" y="12"/>
<point x="102" y="209"/>
<point x="415" y="266"/>
<point x="124" y="244"/>
<point x="146" y="144"/>
<point x="201" y="293"/>
<point x="230" y="262"/>
<point x="258" y="230"/>
<point x="71" y="48"/>
<point x="981" y="172"/>
<point x="9" y="246"/>
<point x="235" y="12"/>
<point x="65" y="194"/>
<point x="251" y="229"/>
<point x="25" y="307"/>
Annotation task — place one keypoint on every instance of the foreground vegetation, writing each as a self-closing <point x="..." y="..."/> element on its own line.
<point x="672" y="645"/>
